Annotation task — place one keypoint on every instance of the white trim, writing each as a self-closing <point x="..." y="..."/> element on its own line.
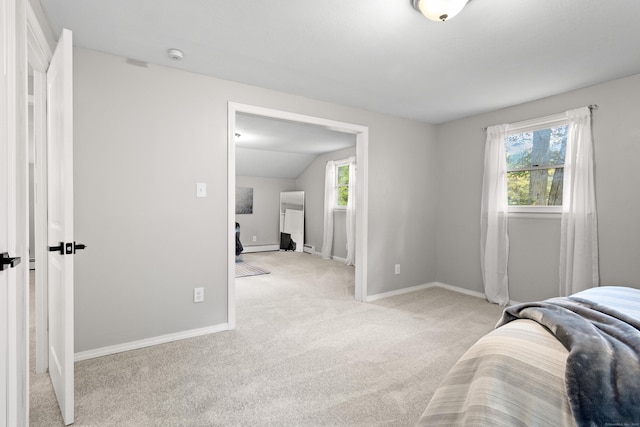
<point x="231" y="216"/>
<point x="362" y="214"/>
<point x="39" y="52"/>
<point x="402" y="291"/>
<point x="540" y="210"/>
<point x="40" y="221"/>
<point x="535" y="124"/>
<point x="362" y="201"/>
<point x="535" y="215"/>
<point x="39" y="56"/>
<point x="148" y="342"/>
<point x="260" y="248"/>
<point x="431" y="285"/>
<point x="460" y="290"/>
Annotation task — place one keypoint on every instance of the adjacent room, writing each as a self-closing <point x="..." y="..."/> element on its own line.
<point x="386" y="213"/>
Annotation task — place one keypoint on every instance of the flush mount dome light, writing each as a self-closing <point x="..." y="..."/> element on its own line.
<point x="439" y="10"/>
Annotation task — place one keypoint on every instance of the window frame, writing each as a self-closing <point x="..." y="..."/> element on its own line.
<point x="546" y="122"/>
<point x="338" y="165"/>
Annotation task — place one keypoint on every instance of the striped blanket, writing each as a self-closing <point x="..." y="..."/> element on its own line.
<point x="515" y="375"/>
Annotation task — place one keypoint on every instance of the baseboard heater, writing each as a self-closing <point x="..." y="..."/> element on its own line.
<point x="260" y="248"/>
<point x="310" y="249"/>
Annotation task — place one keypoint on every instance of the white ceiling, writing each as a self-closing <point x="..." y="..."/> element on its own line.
<point x="380" y="55"/>
<point x="275" y="148"/>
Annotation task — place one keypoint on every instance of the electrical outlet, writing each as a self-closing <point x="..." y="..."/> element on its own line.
<point x="198" y="294"/>
<point x="255" y="238"/>
<point x="397" y="268"/>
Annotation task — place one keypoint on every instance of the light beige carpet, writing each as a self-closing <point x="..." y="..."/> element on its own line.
<point x="304" y="354"/>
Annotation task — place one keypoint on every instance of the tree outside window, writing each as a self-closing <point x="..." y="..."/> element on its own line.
<point x="342" y="185"/>
<point x="535" y="166"/>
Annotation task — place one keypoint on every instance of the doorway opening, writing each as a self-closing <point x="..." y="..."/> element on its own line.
<point x="362" y="142"/>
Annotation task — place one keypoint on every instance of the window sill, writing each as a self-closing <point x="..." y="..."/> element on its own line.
<point x="535" y="212"/>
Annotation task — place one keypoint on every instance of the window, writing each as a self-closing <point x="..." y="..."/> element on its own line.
<point x="535" y="165"/>
<point x="342" y="185"/>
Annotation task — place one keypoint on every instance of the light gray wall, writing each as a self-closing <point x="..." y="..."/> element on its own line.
<point x="533" y="265"/>
<point x="264" y="223"/>
<point x="144" y="136"/>
<point x="312" y="182"/>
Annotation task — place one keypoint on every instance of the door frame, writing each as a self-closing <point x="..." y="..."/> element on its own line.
<point x="39" y="56"/>
<point x="14" y="336"/>
<point x="362" y="184"/>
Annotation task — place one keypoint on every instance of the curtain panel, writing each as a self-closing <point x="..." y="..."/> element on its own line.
<point x="579" y="229"/>
<point x="494" y="218"/>
<point x="329" y="197"/>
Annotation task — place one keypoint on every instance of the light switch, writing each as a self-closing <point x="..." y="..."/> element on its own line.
<point x="201" y="189"/>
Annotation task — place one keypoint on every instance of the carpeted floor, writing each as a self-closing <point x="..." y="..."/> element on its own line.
<point x="244" y="269"/>
<point x="304" y="353"/>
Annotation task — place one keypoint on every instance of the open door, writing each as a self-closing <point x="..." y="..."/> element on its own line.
<point x="60" y="223"/>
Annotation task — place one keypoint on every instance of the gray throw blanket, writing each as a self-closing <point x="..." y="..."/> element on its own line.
<point x="603" y="367"/>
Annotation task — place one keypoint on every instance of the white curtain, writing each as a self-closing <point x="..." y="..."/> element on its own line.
<point x="329" y="197"/>
<point x="494" y="219"/>
<point x="579" y="229"/>
<point x="351" y="214"/>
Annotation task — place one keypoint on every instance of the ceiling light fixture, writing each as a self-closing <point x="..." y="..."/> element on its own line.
<point x="439" y="10"/>
<point x="175" y="54"/>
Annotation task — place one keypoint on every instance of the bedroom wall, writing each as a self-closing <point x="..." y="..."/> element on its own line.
<point x="145" y="135"/>
<point x="264" y="222"/>
<point x="533" y="264"/>
<point x="312" y="182"/>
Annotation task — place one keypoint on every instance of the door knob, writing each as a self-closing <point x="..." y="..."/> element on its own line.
<point x="78" y="247"/>
<point x="67" y="248"/>
<point x="59" y="248"/>
<point x="5" y="259"/>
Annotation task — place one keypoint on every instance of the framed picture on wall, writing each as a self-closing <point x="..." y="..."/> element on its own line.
<point x="244" y="200"/>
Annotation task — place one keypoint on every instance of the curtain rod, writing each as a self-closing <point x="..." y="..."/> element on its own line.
<point x="591" y="107"/>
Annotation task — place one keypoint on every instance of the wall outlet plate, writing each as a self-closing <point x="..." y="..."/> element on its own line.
<point x="198" y="294"/>
<point x="201" y="189"/>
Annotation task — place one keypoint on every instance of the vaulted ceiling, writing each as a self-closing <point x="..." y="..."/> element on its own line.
<point x="380" y="55"/>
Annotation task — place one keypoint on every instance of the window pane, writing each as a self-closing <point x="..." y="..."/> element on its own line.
<point x="343" y="196"/>
<point x="342" y="178"/>
<point x="537" y="148"/>
<point x="343" y="175"/>
<point x="541" y="187"/>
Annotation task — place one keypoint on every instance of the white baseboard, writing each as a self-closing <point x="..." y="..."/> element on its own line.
<point x="421" y="287"/>
<point x="147" y="342"/>
<point x="393" y="293"/>
<point x="335" y="258"/>
<point x="461" y="290"/>
<point x="260" y="248"/>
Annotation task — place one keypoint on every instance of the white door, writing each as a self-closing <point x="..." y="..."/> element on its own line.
<point x="13" y="289"/>
<point x="60" y="223"/>
<point x="4" y="222"/>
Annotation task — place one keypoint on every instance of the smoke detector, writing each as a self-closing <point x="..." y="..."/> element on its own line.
<point x="175" y="54"/>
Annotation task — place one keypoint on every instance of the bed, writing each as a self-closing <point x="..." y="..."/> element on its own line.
<point x="559" y="362"/>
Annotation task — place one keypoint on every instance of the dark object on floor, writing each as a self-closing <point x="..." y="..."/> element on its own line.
<point x="239" y="247"/>
<point x="286" y="243"/>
